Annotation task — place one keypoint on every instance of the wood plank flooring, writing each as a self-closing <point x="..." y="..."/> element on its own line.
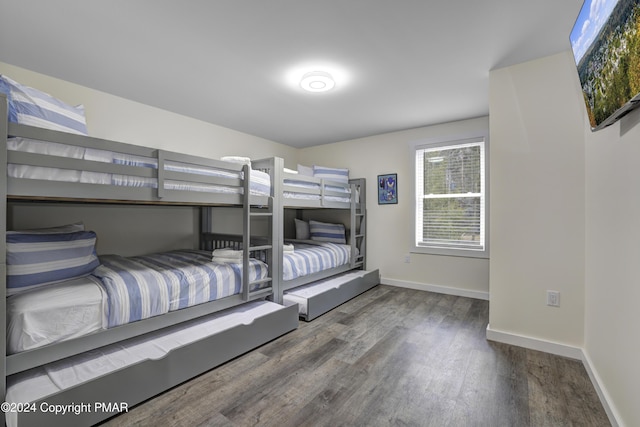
<point x="389" y="357"/>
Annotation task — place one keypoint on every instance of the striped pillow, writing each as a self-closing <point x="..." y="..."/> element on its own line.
<point x="36" y="259"/>
<point x="32" y="107"/>
<point x="333" y="174"/>
<point x="325" y="232"/>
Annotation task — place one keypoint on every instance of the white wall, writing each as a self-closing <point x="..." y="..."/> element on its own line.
<point x="612" y="321"/>
<point x="565" y="211"/>
<point x="537" y="200"/>
<point x="389" y="233"/>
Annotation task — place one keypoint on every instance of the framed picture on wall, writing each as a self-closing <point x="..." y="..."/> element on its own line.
<point x="388" y="189"/>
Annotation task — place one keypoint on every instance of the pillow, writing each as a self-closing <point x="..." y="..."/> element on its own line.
<point x="32" y="107"/>
<point x="302" y="229"/>
<point x="68" y="228"/>
<point x="305" y="170"/>
<point x="39" y="258"/>
<point x="325" y="232"/>
<point x="333" y="174"/>
<point x="237" y="159"/>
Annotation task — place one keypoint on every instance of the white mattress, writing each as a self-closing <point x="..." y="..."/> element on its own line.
<point x="41" y="382"/>
<point x="302" y="294"/>
<point x="58" y="312"/>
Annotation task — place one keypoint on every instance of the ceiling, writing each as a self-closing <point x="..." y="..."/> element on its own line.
<point x="236" y="63"/>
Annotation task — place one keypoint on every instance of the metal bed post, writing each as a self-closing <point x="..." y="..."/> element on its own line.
<point x="206" y="213"/>
<point x="278" y="227"/>
<point x="363" y="221"/>
<point x="353" y="224"/>
<point x="246" y="231"/>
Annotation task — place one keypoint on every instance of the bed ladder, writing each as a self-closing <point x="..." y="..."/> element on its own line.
<point x="248" y="215"/>
<point x="358" y="224"/>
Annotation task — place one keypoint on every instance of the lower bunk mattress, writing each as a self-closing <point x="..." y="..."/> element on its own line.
<point x="308" y="257"/>
<point x="121" y="290"/>
<point x="139" y="368"/>
<point x="318" y="297"/>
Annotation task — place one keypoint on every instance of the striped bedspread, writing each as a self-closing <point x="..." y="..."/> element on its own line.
<point x="145" y="286"/>
<point x="309" y="258"/>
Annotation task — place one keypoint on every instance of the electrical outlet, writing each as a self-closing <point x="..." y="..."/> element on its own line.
<point x="553" y="298"/>
<point x="407" y="258"/>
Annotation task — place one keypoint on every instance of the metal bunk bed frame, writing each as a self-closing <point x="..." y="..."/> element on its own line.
<point x="326" y="301"/>
<point x="219" y="348"/>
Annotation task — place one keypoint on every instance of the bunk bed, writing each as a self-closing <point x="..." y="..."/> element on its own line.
<point x="324" y="266"/>
<point x="138" y="354"/>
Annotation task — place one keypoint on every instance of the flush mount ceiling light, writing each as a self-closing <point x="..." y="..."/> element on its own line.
<point x="317" y="81"/>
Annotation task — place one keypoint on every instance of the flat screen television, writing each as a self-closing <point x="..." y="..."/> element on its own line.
<point x="605" y="40"/>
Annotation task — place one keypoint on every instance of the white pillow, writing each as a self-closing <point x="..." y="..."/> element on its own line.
<point x="305" y="170"/>
<point x="237" y="159"/>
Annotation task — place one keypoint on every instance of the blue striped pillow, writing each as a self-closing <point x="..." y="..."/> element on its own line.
<point x="325" y="232"/>
<point x="37" y="259"/>
<point x="32" y="107"/>
<point x="333" y="174"/>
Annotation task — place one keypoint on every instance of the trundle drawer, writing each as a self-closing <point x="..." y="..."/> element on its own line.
<point x="319" y="297"/>
<point x="135" y="383"/>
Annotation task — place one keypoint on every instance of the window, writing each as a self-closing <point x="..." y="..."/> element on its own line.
<point x="450" y="203"/>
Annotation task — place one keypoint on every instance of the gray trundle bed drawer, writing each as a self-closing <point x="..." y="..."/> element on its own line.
<point x="136" y="383"/>
<point x="319" y="297"/>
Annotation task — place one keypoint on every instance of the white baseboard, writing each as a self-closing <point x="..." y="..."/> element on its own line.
<point x="606" y="400"/>
<point x="534" y="343"/>
<point x="435" y="288"/>
<point x="561" y="350"/>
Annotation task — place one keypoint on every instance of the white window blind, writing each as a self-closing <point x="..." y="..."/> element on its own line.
<point x="450" y="196"/>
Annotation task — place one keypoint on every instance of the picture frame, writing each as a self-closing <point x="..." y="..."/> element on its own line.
<point x="388" y="189"/>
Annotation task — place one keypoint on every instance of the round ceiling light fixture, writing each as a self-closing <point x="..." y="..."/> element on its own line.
<point x="317" y="81"/>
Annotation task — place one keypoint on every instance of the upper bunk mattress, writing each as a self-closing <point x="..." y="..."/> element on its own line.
<point x="260" y="182"/>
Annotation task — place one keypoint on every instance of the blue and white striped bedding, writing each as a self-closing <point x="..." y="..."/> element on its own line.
<point x="260" y="182"/>
<point x="309" y="258"/>
<point x="33" y="107"/>
<point x="36" y="258"/>
<point x="145" y="286"/>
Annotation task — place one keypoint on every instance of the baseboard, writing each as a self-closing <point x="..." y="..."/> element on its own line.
<point x="565" y="351"/>
<point x="435" y="288"/>
<point x="534" y="343"/>
<point x="606" y="400"/>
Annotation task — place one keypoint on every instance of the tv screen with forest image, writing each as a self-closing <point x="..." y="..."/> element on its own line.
<point x="606" y="46"/>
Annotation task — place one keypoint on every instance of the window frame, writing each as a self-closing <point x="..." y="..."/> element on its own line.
<point x="451" y="141"/>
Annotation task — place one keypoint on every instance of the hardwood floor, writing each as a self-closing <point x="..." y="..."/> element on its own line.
<point x="390" y="357"/>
